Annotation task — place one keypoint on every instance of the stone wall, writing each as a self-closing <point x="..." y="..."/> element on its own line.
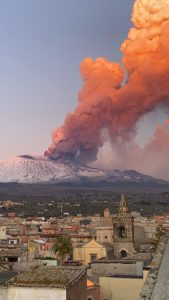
<point x="116" y="268"/>
<point x="78" y="291"/>
<point x="123" y="246"/>
<point x="151" y="290"/>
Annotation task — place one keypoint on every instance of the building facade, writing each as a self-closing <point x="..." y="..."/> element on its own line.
<point x="104" y="232"/>
<point x="123" y="225"/>
<point x="88" y="252"/>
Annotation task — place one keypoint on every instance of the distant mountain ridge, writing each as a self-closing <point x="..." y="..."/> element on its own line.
<point x="33" y="170"/>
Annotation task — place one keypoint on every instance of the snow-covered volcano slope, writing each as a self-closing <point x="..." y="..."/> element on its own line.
<point x="27" y="169"/>
<point x="30" y="170"/>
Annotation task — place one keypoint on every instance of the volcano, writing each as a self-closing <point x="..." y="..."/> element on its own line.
<point x="27" y="169"/>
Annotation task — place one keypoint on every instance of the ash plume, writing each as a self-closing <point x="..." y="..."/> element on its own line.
<point x="107" y="103"/>
<point x="152" y="158"/>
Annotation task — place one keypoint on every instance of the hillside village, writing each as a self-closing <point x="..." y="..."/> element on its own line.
<point x="94" y="255"/>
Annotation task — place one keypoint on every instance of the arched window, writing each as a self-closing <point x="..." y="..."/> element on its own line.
<point x="123" y="253"/>
<point x="122" y="231"/>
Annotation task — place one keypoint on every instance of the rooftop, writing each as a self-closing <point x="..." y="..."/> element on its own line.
<point x="11" y="252"/>
<point x="116" y="261"/>
<point x="5" y="276"/>
<point x="54" y="277"/>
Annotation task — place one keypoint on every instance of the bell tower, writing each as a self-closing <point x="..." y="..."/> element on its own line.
<point x="123" y="224"/>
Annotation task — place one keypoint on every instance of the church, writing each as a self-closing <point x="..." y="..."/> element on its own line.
<point x="123" y="227"/>
<point x="117" y="231"/>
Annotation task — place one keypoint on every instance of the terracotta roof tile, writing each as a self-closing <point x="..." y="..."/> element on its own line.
<point x="55" y="277"/>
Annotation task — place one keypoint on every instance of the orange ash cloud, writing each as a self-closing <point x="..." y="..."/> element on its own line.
<point x="107" y="106"/>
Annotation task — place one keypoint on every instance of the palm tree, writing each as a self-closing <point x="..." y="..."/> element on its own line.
<point x="62" y="247"/>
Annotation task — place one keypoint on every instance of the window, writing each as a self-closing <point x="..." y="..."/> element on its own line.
<point x="123" y="253"/>
<point x="93" y="256"/>
<point x="122" y="231"/>
<point x="105" y="237"/>
<point x="89" y="298"/>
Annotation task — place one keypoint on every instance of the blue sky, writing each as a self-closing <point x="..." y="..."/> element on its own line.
<point x="41" y="45"/>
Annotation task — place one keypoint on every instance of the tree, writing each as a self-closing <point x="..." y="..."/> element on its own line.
<point x="63" y="247"/>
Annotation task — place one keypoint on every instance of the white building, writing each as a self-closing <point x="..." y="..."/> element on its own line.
<point x="46" y="283"/>
<point x="3" y="232"/>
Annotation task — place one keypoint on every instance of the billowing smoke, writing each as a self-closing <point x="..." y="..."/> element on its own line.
<point x="152" y="158"/>
<point x="109" y="106"/>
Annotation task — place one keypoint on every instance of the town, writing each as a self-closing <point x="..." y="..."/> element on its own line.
<point x="93" y="257"/>
<point x="84" y="176"/>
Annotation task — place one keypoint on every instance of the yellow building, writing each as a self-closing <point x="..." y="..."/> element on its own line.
<point x="89" y="251"/>
<point x="122" y="287"/>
